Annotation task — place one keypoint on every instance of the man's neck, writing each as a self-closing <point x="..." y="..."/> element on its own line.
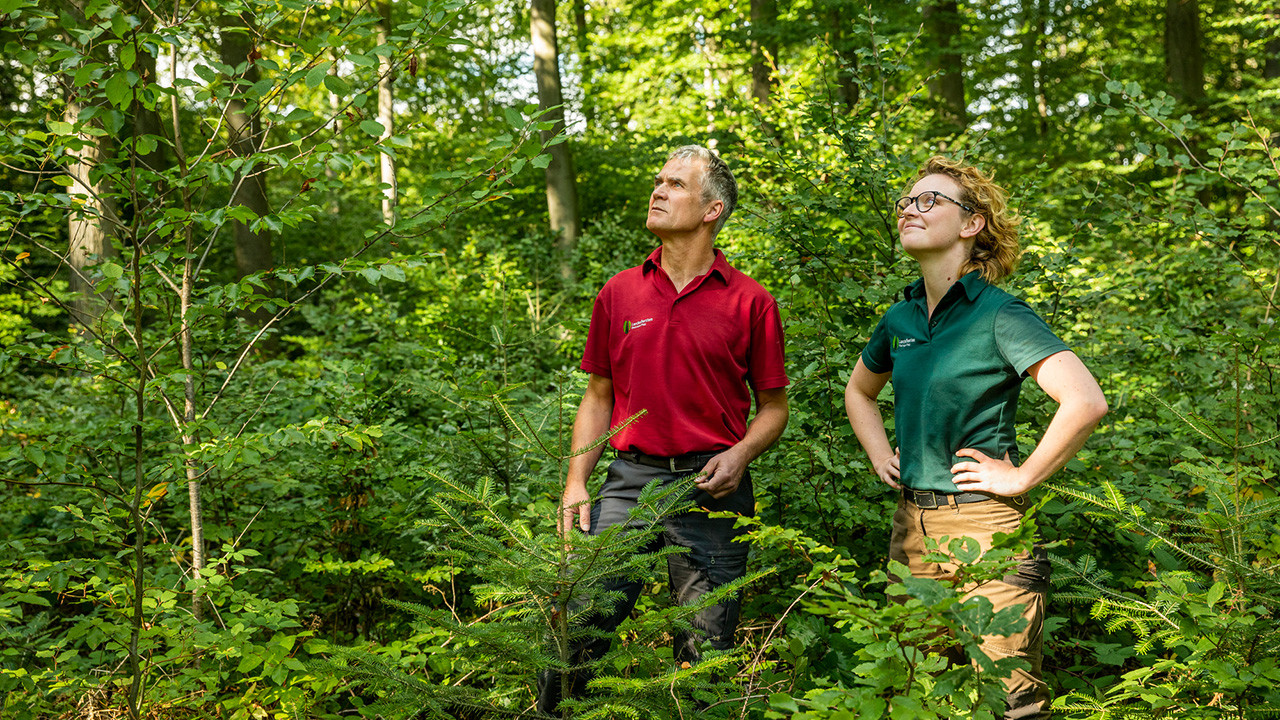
<point x="686" y="258"/>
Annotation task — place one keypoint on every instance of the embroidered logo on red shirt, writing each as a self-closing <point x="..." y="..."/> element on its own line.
<point x="628" y="326"/>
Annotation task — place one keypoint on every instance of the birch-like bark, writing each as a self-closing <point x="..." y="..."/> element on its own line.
<point x="189" y="439"/>
<point x="386" y="163"/>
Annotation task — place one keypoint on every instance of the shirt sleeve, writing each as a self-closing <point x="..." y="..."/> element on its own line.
<point x="876" y="355"/>
<point x="767" y="364"/>
<point x="1023" y="338"/>
<point x="595" y="357"/>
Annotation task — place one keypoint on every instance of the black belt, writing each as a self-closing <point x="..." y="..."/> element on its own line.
<point x="928" y="499"/>
<point x="680" y="463"/>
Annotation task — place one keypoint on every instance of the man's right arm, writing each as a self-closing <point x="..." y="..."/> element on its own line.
<point x="594" y="415"/>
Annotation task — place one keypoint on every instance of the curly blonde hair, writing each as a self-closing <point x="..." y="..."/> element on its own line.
<point x="995" y="248"/>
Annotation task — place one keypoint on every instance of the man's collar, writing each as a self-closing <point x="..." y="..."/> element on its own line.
<point x="719" y="267"/>
<point x="653" y="261"/>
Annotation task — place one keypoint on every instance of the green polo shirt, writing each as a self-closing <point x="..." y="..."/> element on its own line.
<point x="956" y="375"/>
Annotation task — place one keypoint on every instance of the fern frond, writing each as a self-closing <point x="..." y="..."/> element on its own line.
<point x="1269" y="441"/>
<point x="1197" y="423"/>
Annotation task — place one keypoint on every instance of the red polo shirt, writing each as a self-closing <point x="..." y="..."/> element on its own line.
<point x="690" y="358"/>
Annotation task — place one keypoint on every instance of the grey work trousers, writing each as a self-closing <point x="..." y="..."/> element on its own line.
<point x="713" y="559"/>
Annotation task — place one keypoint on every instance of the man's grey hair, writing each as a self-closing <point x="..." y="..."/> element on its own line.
<point x="717" y="180"/>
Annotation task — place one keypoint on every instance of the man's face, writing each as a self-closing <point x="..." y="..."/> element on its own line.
<point x="676" y="204"/>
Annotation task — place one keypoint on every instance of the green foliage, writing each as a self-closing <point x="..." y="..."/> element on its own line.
<point x="1204" y="628"/>
<point x="537" y="589"/>
<point x="169" y="359"/>
<point x="373" y="375"/>
<point x="852" y="654"/>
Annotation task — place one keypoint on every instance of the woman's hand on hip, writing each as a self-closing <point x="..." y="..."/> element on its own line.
<point x="986" y="474"/>
<point x="890" y="470"/>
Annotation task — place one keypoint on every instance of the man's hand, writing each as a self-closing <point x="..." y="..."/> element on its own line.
<point x="591" y="422"/>
<point x="997" y="476"/>
<point x="575" y="509"/>
<point x="890" y="471"/>
<point x="722" y="473"/>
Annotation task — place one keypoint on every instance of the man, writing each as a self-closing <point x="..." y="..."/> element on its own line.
<point x="688" y="339"/>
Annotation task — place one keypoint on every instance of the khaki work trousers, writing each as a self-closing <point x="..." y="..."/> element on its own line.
<point x="1028" y="585"/>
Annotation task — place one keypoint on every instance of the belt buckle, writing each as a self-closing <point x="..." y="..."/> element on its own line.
<point x="933" y="499"/>
<point x="671" y="463"/>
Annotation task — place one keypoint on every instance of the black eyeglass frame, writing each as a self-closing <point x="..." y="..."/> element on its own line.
<point x="901" y="209"/>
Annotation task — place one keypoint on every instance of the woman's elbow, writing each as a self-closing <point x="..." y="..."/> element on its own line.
<point x="1086" y="405"/>
<point x="1096" y="407"/>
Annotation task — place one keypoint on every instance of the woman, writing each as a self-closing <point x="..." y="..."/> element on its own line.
<point x="957" y="350"/>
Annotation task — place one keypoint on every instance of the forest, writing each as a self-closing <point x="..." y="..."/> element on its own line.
<point x="293" y="296"/>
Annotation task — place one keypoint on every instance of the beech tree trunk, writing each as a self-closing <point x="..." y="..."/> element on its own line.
<point x="91" y="229"/>
<point x="386" y="163"/>
<point x="1184" y="58"/>
<point x="942" y="29"/>
<point x="584" y="59"/>
<point x="146" y="121"/>
<point x="1271" y="64"/>
<point x="244" y="130"/>
<point x="847" y="90"/>
<point x="764" y="47"/>
<point x="709" y="49"/>
<point x="562" y="191"/>
<point x="1033" y="56"/>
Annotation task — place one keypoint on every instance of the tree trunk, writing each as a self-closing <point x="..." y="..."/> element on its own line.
<point x="1033" y="25"/>
<point x="710" y="49"/>
<point x="848" y="91"/>
<point x="1184" y="59"/>
<point x="387" y="164"/>
<point x="562" y="192"/>
<point x="190" y="441"/>
<point x="584" y="60"/>
<point x="942" y="28"/>
<point x="764" y="48"/>
<point x="253" y="249"/>
<point x="146" y="121"/>
<point x="1271" y="65"/>
<point x="90" y="229"/>
<point x="335" y="112"/>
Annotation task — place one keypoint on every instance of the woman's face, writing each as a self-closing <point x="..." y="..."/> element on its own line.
<point x="944" y="226"/>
